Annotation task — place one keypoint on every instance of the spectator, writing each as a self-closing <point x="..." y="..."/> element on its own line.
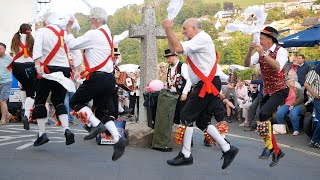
<point x="294" y="105"/>
<point x="229" y="98"/>
<point x="302" y="69"/>
<point x="162" y="72"/>
<point x="312" y="84"/>
<point x="254" y="108"/>
<point x="134" y="95"/>
<point x="242" y="96"/>
<point x="5" y="83"/>
<point x="293" y="75"/>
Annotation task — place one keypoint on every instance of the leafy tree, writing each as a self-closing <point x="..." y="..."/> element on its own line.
<point x="275" y="14"/>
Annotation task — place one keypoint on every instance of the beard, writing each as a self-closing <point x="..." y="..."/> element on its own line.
<point x="185" y="38"/>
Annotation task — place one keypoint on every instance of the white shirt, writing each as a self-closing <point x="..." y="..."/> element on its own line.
<point x="282" y="56"/>
<point x="96" y="47"/>
<point x="184" y="74"/>
<point x="201" y="51"/>
<point x="22" y="59"/>
<point x="44" y="42"/>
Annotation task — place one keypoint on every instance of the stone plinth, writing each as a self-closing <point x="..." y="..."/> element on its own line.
<point x="139" y="136"/>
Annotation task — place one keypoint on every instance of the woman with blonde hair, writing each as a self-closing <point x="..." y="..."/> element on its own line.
<point x="23" y="69"/>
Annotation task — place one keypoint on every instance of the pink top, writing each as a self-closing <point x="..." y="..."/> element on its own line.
<point x="291" y="97"/>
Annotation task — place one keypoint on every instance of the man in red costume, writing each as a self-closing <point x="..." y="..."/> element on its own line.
<point x="204" y="101"/>
<point x="272" y="59"/>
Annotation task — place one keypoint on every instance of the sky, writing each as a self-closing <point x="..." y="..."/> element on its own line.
<point x="79" y="6"/>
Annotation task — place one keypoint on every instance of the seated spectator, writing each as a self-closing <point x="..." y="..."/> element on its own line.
<point x="242" y="96"/>
<point x="229" y="97"/>
<point x="294" y="105"/>
<point x="293" y="75"/>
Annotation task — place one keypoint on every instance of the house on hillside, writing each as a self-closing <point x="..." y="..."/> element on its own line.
<point x="315" y="8"/>
<point x="272" y="5"/>
<point x="224" y="14"/>
<point x="306" y="4"/>
<point x="204" y="18"/>
<point x="291" y="6"/>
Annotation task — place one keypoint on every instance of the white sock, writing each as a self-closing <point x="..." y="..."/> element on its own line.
<point x="42" y="125"/>
<point x="214" y="133"/>
<point x="187" y="138"/>
<point x="28" y="105"/>
<point x="91" y="117"/>
<point x="64" y="121"/>
<point x="111" y="127"/>
<point x="23" y="96"/>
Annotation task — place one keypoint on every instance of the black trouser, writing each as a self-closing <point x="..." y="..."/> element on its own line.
<point x="254" y="110"/>
<point x="115" y="98"/>
<point x="26" y="74"/>
<point x="100" y="88"/>
<point x="201" y="110"/>
<point x="269" y="104"/>
<point x="133" y="100"/>
<point x="179" y="107"/>
<point x="58" y="94"/>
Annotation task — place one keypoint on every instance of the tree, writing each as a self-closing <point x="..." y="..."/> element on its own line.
<point x="228" y="5"/>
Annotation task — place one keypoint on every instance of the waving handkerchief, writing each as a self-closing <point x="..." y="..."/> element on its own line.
<point x="174" y="8"/>
<point x="61" y="79"/>
<point x="251" y="21"/>
<point x="122" y="36"/>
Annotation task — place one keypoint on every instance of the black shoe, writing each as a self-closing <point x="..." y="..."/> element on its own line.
<point x="229" y="156"/>
<point x="180" y="160"/>
<point x="126" y="111"/>
<point x="276" y="158"/>
<point x="166" y="149"/>
<point x="206" y="143"/>
<point x="266" y="153"/>
<point x="41" y="140"/>
<point x="25" y="122"/>
<point x="118" y="149"/>
<point x="95" y="131"/>
<point x="314" y="145"/>
<point x="69" y="137"/>
<point x="86" y="127"/>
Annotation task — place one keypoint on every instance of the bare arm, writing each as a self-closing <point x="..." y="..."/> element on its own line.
<point x="173" y="41"/>
<point x="312" y="92"/>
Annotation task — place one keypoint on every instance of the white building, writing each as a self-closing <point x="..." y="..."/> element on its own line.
<point x="14" y="13"/>
<point x="272" y="5"/>
<point x="224" y="14"/>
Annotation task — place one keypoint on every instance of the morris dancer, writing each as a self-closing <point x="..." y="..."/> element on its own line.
<point x="23" y="69"/>
<point x="203" y="101"/>
<point x="100" y="81"/>
<point x="50" y="55"/>
<point x="272" y="59"/>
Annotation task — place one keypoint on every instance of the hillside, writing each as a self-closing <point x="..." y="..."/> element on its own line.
<point x="243" y="3"/>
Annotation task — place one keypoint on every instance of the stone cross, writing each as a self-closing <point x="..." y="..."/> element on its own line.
<point x="148" y="32"/>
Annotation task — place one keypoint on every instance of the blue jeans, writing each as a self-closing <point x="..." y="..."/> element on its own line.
<point x="316" y="135"/>
<point x="66" y="103"/>
<point x="294" y="115"/>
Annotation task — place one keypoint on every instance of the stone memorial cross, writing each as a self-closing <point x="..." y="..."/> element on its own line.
<point x="148" y="32"/>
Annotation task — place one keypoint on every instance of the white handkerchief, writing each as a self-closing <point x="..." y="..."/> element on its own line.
<point x="174" y="8"/>
<point x="61" y="79"/>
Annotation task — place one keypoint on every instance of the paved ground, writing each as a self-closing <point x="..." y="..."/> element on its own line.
<point x="87" y="160"/>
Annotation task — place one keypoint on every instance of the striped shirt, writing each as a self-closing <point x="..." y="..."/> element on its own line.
<point x="313" y="79"/>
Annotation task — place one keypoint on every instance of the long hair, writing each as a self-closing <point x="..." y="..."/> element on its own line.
<point x="24" y="29"/>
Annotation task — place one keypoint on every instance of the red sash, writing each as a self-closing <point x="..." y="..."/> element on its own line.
<point x="23" y="52"/>
<point x="88" y="71"/>
<point x="56" y="48"/>
<point x="207" y="86"/>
